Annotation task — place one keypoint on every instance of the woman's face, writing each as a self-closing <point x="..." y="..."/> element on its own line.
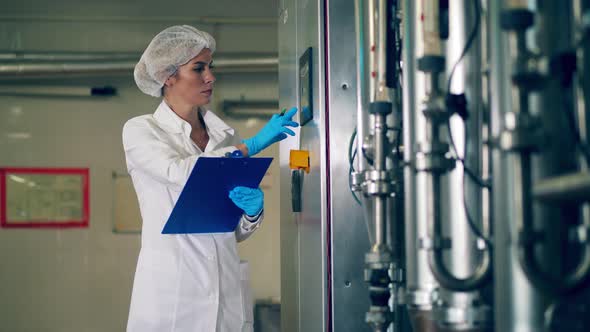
<point x="193" y="81"/>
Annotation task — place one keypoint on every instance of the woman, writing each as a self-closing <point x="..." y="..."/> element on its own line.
<point x="187" y="282"/>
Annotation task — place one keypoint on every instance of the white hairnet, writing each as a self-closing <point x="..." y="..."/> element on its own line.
<point x="170" y="49"/>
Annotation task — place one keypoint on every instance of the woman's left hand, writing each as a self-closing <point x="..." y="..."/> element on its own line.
<point x="248" y="199"/>
<point x="276" y="129"/>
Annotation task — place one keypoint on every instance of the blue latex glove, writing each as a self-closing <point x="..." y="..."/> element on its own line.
<point x="248" y="199"/>
<point x="274" y="131"/>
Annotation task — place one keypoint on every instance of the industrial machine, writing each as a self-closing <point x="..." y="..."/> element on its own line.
<point x="439" y="180"/>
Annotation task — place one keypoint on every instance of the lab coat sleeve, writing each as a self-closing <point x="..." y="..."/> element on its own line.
<point x="247" y="226"/>
<point x="146" y="152"/>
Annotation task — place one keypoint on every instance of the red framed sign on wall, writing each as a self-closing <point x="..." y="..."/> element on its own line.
<point x="44" y="197"/>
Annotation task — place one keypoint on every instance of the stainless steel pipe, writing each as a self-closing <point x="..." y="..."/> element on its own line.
<point x="63" y="65"/>
<point x="432" y="159"/>
<point x="570" y="187"/>
<point x="518" y="306"/>
<point x="374" y="152"/>
<point x="420" y="283"/>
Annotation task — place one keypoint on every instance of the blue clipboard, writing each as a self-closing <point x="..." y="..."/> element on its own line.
<point x="204" y="205"/>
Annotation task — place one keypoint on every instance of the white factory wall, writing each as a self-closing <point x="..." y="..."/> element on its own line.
<point x="80" y="279"/>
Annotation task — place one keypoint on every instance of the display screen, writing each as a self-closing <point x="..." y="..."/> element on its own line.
<point x="305" y="87"/>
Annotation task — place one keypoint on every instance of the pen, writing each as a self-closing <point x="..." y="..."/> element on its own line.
<point x="283" y="111"/>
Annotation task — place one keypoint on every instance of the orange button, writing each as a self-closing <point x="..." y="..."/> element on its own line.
<point x="299" y="159"/>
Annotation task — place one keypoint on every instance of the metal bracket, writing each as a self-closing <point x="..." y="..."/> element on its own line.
<point x="378" y="183"/>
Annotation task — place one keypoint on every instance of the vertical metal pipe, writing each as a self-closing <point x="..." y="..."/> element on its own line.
<point x="376" y="185"/>
<point x="550" y="272"/>
<point x="433" y="208"/>
<point x="431" y="42"/>
<point x="518" y="307"/>
<point x="583" y="79"/>
<point x="409" y="104"/>
<point x="464" y="194"/>
<point x="583" y="97"/>
<point x="523" y="214"/>
<point x="380" y="142"/>
<point x="555" y="104"/>
<point x="364" y="91"/>
<point x="380" y="217"/>
<point x="432" y="160"/>
<point x="419" y="278"/>
<point x="584" y="111"/>
<point x="420" y="283"/>
<point x="467" y="79"/>
<point x="382" y="26"/>
<point x="370" y="27"/>
<point x="380" y="202"/>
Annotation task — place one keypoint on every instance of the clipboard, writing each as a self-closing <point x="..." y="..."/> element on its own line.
<point x="204" y="205"/>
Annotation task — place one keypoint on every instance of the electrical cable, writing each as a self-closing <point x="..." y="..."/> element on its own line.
<point x="351" y="157"/>
<point x="350" y="153"/>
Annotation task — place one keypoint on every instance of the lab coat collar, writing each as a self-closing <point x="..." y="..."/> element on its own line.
<point x="174" y="124"/>
<point x="168" y="120"/>
<point x="218" y="130"/>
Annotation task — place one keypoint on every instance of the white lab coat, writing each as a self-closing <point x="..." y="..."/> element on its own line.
<point x="183" y="282"/>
